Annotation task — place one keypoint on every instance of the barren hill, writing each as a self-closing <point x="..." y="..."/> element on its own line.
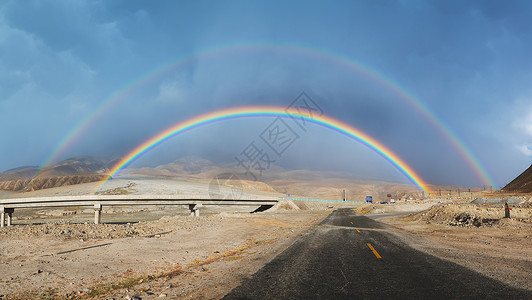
<point x="74" y="170"/>
<point x="40" y="183"/>
<point x="19" y="173"/>
<point x="521" y="184"/>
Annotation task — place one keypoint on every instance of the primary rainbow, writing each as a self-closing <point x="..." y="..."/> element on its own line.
<point x="262" y="111"/>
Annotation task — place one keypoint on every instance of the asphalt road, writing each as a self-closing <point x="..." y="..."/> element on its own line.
<point x="349" y="256"/>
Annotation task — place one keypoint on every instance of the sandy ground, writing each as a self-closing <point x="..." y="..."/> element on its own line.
<point x="170" y="254"/>
<point x="37" y="262"/>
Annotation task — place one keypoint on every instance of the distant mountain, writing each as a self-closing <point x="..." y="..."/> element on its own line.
<point x="306" y="183"/>
<point x="40" y="183"/>
<point x="77" y="166"/>
<point x="521" y="184"/>
<point x="19" y="173"/>
<point x="187" y="166"/>
<point x="21" y="168"/>
<point x="74" y="170"/>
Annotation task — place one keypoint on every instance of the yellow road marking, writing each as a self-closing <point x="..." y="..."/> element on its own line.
<point x="355" y="228"/>
<point x="374" y="251"/>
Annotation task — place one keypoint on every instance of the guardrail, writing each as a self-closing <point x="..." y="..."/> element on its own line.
<point x="319" y="200"/>
<point x="194" y="202"/>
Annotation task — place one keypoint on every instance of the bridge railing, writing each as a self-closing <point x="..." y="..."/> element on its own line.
<point x="194" y="202"/>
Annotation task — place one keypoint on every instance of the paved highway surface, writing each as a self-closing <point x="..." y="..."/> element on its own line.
<point x="349" y="256"/>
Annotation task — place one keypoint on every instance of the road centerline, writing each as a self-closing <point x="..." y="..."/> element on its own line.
<point x="355" y="227"/>
<point x="373" y="250"/>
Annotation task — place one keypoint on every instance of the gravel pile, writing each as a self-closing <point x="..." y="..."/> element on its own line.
<point x="511" y="200"/>
<point x="474" y="215"/>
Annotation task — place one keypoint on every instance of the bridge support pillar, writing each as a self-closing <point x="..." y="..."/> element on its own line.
<point x="3" y="220"/>
<point x="9" y="218"/>
<point x="194" y="209"/>
<point x="97" y="213"/>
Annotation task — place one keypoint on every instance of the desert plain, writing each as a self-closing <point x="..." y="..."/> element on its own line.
<point x="149" y="252"/>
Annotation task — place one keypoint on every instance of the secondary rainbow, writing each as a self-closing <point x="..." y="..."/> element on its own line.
<point x="309" y="50"/>
<point x="254" y="112"/>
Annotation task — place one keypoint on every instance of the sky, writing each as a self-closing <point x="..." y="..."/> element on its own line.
<point x="100" y="77"/>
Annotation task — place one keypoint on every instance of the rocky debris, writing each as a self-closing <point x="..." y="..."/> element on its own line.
<point x="125" y="190"/>
<point x="84" y="232"/>
<point x="465" y="219"/>
<point x="474" y="215"/>
<point x="59" y="213"/>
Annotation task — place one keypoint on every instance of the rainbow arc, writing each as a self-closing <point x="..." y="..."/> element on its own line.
<point x="221" y="51"/>
<point x="256" y="112"/>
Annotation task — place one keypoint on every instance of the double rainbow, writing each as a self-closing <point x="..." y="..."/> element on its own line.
<point x="311" y="51"/>
<point x="261" y="111"/>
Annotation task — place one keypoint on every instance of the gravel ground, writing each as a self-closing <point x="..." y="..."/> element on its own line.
<point x="62" y="260"/>
<point x="184" y="257"/>
<point x="477" y="215"/>
<point x="66" y="231"/>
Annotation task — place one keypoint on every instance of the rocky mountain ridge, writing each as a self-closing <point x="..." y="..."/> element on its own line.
<point x="28" y="185"/>
<point x="76" y="170"/>
<point x="521" y="184"/>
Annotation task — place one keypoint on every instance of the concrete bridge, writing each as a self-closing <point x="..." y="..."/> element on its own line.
<point x="194" y="202"/>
